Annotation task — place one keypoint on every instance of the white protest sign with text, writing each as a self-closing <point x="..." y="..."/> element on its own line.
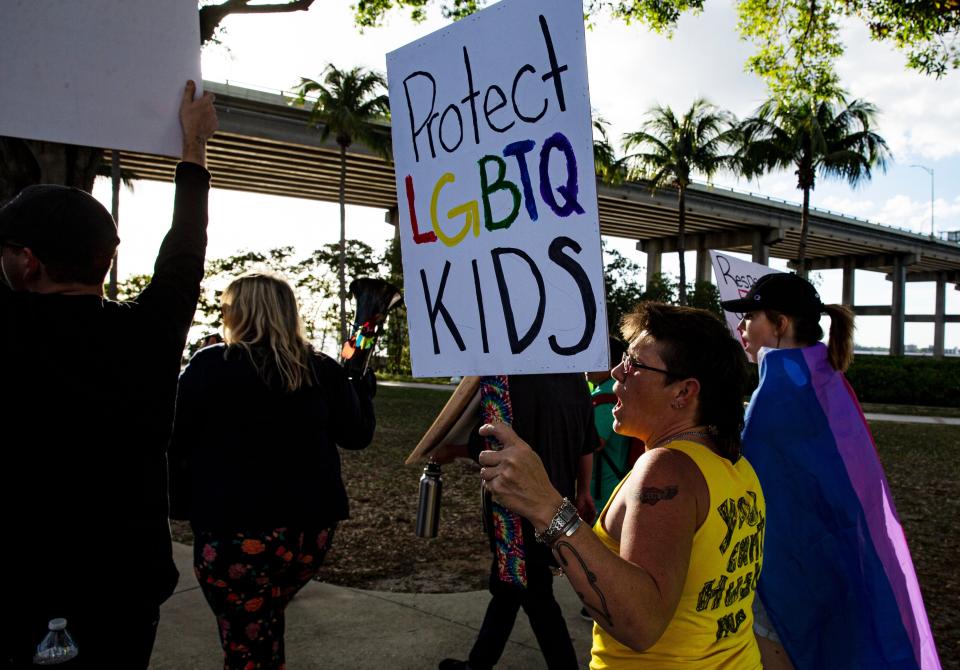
<point x="734" y="279"/>
<point x="100" y="73"/>
<point x="497" y="194"/>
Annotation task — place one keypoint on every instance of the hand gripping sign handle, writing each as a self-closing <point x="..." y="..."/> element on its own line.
<point x="495" y="407"/>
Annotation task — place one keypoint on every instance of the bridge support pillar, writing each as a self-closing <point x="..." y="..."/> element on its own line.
<point x="761" y="250"/>
<point x="653" y="249"/>
<point x="898" y="306"/>
<point x="939" y="317"/>
<point x="849" y="268"/>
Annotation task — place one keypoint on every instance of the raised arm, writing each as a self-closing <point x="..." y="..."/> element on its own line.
<point x="633" y="595"/>
<point x="175" y="287"/>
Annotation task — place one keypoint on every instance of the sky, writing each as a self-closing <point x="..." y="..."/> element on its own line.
<point x="630" y="70"/>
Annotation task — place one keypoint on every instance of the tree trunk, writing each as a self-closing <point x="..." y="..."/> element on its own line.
<point x="804" y="229"/>
<point x="681" y="243"/>
<point x="18" y="168"/>
<point x="341" y="271"/>
<point x="27" y="162"/>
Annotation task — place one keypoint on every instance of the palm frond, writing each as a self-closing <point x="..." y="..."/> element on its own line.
<point x="350" y="104"/>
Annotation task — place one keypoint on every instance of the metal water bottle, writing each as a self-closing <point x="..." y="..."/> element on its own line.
<point x="428" y="511"/>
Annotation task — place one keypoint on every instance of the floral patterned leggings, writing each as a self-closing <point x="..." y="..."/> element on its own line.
<point x="248" y="580"/>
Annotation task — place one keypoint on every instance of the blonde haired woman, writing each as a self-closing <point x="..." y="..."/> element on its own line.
<point x="255" y="467"/>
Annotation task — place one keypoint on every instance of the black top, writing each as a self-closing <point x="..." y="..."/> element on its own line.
<point x="248" y="457"/>
<point x="553" y="414"/>
<point x="87" y="397"/>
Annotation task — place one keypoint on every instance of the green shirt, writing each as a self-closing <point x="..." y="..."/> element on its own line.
<point x="610" y="462"/>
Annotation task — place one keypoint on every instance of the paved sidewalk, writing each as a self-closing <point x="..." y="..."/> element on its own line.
<point x="908" y="418"/>
<point x="335" y="627"/>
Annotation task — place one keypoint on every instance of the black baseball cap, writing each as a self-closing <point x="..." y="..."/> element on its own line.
<point x="59" y="224"/>
<point x="781" y="292"/>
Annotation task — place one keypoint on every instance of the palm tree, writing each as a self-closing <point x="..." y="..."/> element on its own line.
<point x="827" y="137"/>
<point x="608" y="167"/>
<point x="351" y="105"/>
<point x="671" y="149"/>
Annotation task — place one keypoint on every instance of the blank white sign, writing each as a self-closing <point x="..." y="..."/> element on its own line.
<point x="101" y="73"/>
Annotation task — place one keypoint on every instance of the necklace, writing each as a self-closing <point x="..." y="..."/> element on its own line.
<point x="702" y="434"/>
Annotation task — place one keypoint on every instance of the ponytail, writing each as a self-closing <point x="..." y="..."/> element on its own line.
<point x="807" y="332"/>
<point x="840" y="345"/>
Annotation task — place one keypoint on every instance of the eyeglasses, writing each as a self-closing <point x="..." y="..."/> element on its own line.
<point x="631" y="364"/>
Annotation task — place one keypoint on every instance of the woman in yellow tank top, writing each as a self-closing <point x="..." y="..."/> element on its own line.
<point x="670" y="568"/>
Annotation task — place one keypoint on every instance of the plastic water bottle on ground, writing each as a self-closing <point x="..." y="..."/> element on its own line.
<point x="57" y="647"/>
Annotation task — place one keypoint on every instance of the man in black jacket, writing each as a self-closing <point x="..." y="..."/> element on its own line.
<point x="87" y="396"/>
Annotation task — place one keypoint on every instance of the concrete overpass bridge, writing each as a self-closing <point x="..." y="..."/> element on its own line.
<point x="265" y="146"/>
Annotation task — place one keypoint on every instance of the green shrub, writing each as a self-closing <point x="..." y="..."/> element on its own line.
<point x="897" y="380"/>
<point x="906" y="380"/>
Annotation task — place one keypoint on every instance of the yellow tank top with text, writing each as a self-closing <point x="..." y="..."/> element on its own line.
<point x="713" y="625"/>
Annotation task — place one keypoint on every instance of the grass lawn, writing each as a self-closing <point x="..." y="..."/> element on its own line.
<point x="922" y="467"/>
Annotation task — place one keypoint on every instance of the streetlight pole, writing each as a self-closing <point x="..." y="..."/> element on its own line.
<point x="929" y="171"/>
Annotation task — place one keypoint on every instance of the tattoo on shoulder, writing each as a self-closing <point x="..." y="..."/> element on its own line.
<point x="651" y="495"/>
<point x="562" y="549"/>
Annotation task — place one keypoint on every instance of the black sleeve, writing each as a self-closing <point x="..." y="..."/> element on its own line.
<point x="591" y="441"/>
<point x="6" y="299"/>
<point x="476" y="442"/>
<point x="175" y="287"/>
<point x="185" y="430"/>
<point x="350" y="403"/>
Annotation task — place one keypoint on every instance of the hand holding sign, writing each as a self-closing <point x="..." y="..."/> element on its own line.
<point x="516" y="476"/>
<point x="198" y="119"/>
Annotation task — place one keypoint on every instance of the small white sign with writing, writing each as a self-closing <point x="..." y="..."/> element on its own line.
<point x="734" y="279"/>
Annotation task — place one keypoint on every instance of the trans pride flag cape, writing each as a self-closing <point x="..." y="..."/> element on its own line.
<point x="838" y="582"/>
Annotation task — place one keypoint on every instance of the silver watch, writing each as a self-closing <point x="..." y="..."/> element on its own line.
<point x="566" y="517"/>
